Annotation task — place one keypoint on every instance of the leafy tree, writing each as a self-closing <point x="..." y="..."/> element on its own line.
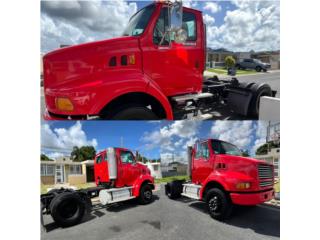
<point x="44" y="157"/>
<point x="263" y="149"/>
<point x="230" y="62"/>
<point x="83" y="153"/>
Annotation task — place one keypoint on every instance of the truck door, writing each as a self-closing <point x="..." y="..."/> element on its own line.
<point x="101" y="172"/>
<point x="176" y="68"/>
<point x="128" y="168"/>
<point x="202" y="166"/>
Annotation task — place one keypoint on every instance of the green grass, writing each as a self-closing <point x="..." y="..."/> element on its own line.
<point x="169" y="179"/>
<point x="224" y="71"/>
<point x="78" y="186"/>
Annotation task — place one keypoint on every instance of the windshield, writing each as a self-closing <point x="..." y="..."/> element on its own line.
<point x="220" y="147"/>
<point x="139" y="21"/>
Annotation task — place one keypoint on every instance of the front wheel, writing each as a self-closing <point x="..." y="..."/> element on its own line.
<point x="132" y="112"/>
<point x="219" y="204"/>
<point x="258" y="69"/>
<point x="145" y="196"/>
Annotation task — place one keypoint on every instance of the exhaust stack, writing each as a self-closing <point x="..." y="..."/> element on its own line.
<point x="189" y="156"/>
<point x="112" y="163"/>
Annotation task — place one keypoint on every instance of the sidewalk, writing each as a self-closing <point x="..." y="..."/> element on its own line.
<point x="211" y="74"/>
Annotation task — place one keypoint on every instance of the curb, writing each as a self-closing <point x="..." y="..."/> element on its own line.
<point x="270" y="205"/>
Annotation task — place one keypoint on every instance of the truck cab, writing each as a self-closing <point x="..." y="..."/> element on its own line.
<point x="117" y="167"/>
<point x="153" y="71"/>
<point x="220" y="176"/>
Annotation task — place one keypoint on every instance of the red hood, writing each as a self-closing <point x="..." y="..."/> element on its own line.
<point x="241" y="159"/>
<point x="83" y="63"/>
<point x="82" y="46"/>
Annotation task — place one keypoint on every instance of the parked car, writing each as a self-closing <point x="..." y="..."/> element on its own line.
<point x="251" y="63"/>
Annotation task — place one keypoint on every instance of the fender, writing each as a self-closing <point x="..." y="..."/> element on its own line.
<point x="138" y="183"/>
<point x="228" y="180"/>
<point x="134" y="82"/>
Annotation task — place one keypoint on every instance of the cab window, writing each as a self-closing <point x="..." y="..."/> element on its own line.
<point x="161" y="27"/>
<point x="99" y="159"/>
<point x="202" y="150"/>
<point x="126" y="157"/>
<point x="189" y="24"/>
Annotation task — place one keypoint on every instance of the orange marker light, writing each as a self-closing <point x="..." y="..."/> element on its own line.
<point x="64" y="104"/>
<point x="132" y="59"/>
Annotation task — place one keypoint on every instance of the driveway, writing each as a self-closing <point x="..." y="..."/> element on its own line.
<point x="167" y="219"/>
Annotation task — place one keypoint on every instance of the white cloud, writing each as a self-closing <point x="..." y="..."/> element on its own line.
<point x="65" y="139"/>
<point x="254" y="25"/>
<point x="55" y="155"/>
<point x="190" y="3"/>
<point x="73" y="22"/>
<point x="261" y="134"/>
<point x="209" y="20"/>
<point x="238" y="133"/>
<point x="172" y="137"/>
<point x="213" y="7"/>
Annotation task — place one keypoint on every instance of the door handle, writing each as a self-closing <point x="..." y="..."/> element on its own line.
<point x="197" y="64"/>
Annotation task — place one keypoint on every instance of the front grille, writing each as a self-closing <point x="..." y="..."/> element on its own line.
<point x="265" y="172"/>
<point x="266" y="183"/>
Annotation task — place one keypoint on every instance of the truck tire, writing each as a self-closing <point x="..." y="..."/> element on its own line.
<point x="258" y="91"/>
<point x="67" y="209"/>
<point x="132" y="112"/>
<point x="145" y="196"/>
<point x="173" y="189"/>
<point x="258" y="68"/>
<point x="219" y="204"/>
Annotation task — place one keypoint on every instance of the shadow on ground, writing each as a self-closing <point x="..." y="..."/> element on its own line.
<point x="262" y="220"/>
<point x="98" y="210"/>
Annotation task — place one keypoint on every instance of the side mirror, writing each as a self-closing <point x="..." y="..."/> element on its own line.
<point x="176" y="12"/>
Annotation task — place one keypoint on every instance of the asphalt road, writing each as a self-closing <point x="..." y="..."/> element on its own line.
<point x="167" y="219"/>
<point x="272" y="78"/>
<point x="221" y="113"/>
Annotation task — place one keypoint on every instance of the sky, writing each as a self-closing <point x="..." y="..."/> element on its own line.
<point x="237" y="25"/>
<point x="167" y="140"/>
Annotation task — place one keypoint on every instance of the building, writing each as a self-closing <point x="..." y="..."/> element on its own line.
<point x="64" y="170"/>
<point x="273" y="154"/>
<point x="272" y="57"/>
<point x="273" y="157"/>
<point x="174" y="169"/>
<point x="216" y="57"/>
<point x="154" y="168"/>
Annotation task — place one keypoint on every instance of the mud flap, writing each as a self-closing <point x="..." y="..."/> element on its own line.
<point x="239" y="100"/>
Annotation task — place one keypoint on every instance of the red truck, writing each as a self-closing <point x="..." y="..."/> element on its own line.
<point x="221" y="177"/>
<point x="154" y="71"/>
<point x="118" y="178"/>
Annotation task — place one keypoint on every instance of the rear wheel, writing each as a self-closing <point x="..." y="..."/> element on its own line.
<point x="145" y="196"/>
<point x="173" y="189"/>
<point x="219" y="204"/>
<point x="67" y="209"/>
<point x="132" y="112"/>
<point x="258" y="92"/>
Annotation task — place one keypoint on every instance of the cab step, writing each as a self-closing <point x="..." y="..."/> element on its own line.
<point x="187" y="97"/>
